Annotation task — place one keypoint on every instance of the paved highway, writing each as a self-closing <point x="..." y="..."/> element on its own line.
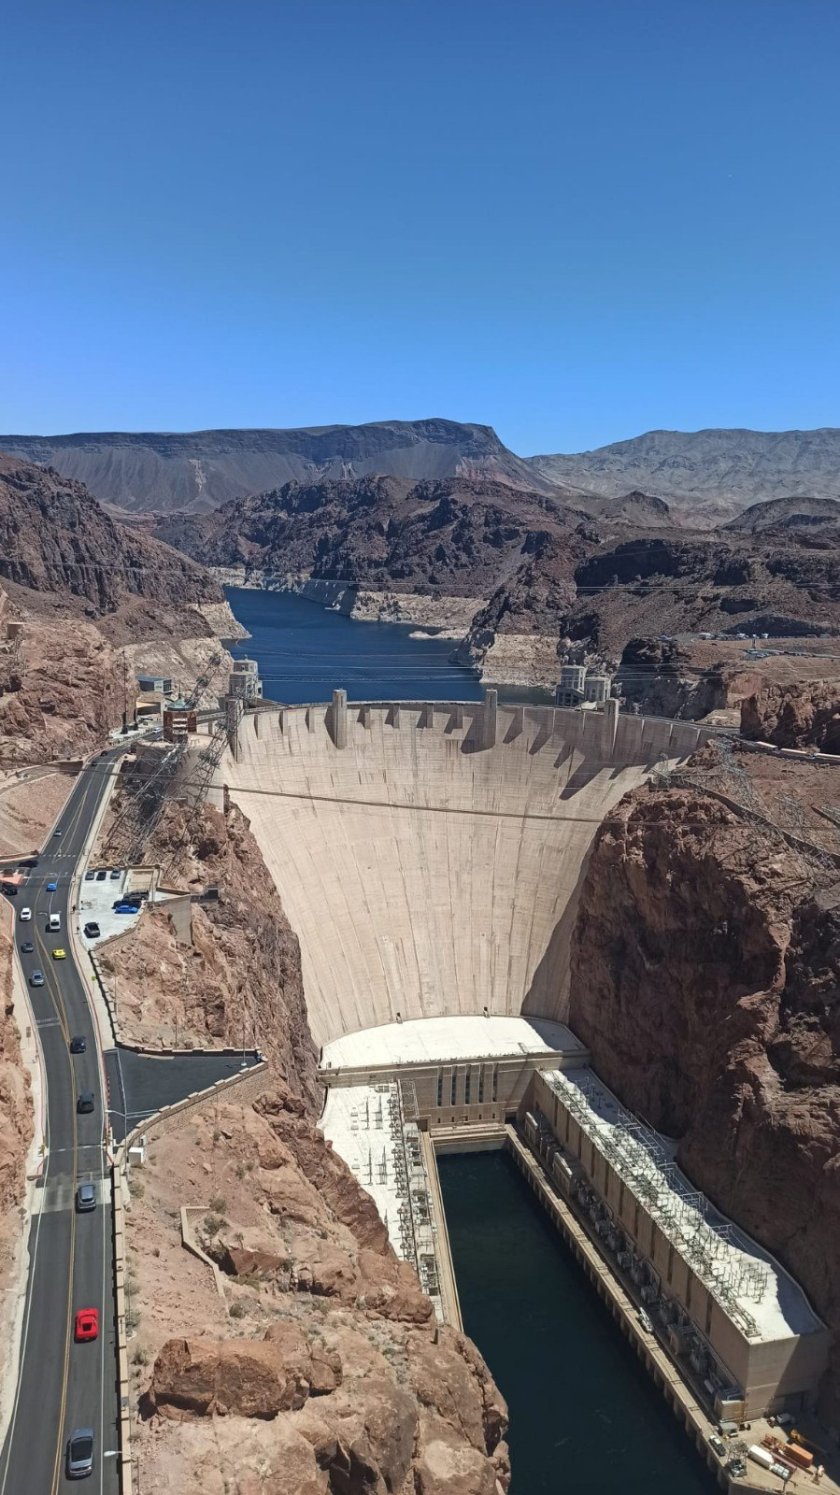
<point x="63" y="1385"/>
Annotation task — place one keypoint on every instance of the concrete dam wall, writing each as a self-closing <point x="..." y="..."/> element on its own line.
<point x="429" y="856"/>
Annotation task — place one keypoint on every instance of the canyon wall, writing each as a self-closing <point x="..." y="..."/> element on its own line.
<point x="705" y="978"/>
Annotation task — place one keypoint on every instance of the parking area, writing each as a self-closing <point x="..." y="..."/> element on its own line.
<point x="139" y="1085"/>
<point x="101" y="888"/>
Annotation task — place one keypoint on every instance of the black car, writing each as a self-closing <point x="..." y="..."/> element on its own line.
<point x="92" y="930"/>
<point x="101" y="875"/>
<point x="89" y="876"/>
<point x="86" y="1101"/>
<point x="78" y="1044"/>
<point x="27" y="948"/>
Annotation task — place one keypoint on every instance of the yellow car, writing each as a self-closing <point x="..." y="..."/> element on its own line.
<point x="59" y="954"/>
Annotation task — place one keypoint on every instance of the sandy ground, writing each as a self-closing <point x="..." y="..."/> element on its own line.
<point x="30" y="800"/>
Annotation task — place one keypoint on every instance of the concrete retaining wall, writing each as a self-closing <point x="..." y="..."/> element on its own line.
<point x="123" y="1379"/>
<point x="237" y="1088"/>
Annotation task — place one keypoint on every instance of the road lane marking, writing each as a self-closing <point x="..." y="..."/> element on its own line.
<point x="53" y="991"/>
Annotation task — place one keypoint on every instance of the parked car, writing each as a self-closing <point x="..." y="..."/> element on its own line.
<point x="92" y="930"/>
<point x="101" y="875"/>
<point x="27" y="948"/>
<point x="80" y="1453"/>
<point x="86" y="1325"/>
<point x="78" y="1044"/>
<point x="37" y="978"/>
<point x="86" y="1101"/>
<point x="718" y="1445"/>
<point x="116" y="874"/>
<point x="25" y="915"/>
<point x="89" y="876"/>
<point x="645" y="1320"/>
<point x="85" y="1198"/>
<point x="126" y="908"/>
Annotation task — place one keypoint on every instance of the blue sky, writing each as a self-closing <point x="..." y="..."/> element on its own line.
<point x="571" y="219"/>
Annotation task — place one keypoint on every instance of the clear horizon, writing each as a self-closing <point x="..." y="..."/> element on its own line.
<point x="572" y="220"/>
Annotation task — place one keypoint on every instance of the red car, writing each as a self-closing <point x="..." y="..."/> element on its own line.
<point x="87" y="1324"/>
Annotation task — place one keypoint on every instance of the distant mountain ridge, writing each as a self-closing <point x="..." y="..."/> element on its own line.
<point x="705" y="477"/>
<point x="197" y="471"/>
<point x="711" y="474"/>
<point x="803" y="513"/>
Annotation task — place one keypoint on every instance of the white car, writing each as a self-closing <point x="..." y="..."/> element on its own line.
<point x="25" y="915"/>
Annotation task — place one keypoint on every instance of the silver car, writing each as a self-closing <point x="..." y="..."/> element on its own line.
<point x="80" y="1453"/>
<point x="85" y="1198"/>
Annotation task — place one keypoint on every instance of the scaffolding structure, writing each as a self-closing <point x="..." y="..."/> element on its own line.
<point x="709" y="1245"/>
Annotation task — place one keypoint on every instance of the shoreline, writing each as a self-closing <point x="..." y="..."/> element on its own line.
<point x="520" y="662"/>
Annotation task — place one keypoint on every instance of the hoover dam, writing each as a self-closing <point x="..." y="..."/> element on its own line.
<point x="429" y="855"/>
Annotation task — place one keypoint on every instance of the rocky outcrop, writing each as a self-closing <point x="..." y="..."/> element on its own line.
<point x="706" y="981"/>
<point x="247" y="1378"/>
<point x="55" y="537"/>
<point x="657" y="677"/>
<point x="454" y="536"/>
<point x="795" y="716"/>
<point x="323" y="1371"/>
<point x="238" y="976"/>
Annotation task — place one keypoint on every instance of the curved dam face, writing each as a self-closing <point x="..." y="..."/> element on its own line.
<point x="429" y="857"/>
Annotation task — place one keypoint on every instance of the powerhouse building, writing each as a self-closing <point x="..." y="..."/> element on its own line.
<point x="727" y="1308"/>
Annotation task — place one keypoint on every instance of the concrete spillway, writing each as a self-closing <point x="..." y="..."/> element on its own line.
<point x="430" y="858"/>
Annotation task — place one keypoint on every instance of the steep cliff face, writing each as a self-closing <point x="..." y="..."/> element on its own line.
<point x="55" y="537"/>
<point x="795" y="716"/>
<point x="239" y="980"/>
<point x="706" y="980"/>
<point x="61" y="690"/>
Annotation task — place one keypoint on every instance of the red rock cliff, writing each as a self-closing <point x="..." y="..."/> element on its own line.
<point x="706" y="980"/>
